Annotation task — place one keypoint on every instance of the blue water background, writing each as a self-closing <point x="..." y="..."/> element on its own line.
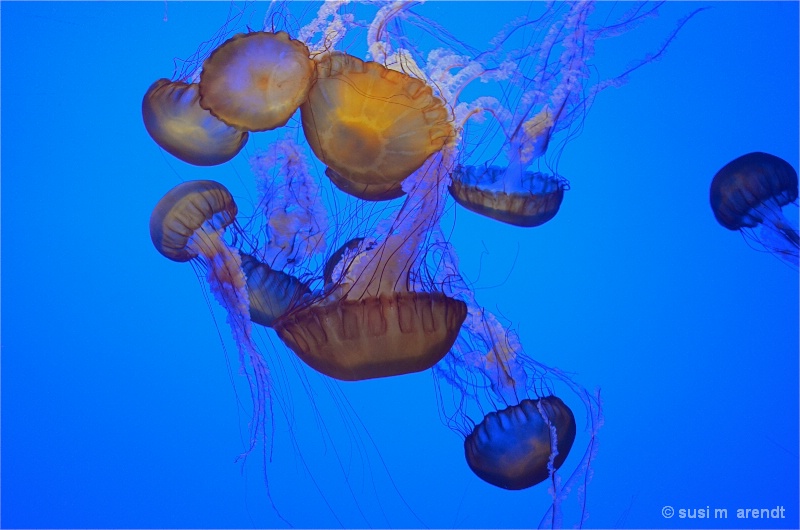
<point x="118" y="406"/>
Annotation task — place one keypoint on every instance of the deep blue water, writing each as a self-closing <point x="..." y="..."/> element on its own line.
<point x="119" y="408"/>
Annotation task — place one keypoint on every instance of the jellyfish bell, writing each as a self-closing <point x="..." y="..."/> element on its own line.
<point x="188" y="220"/>
<point x="376" y="337"/>
<point x="365" y="192"/>
<point x="519" y="447"/>
<point x="271" y="292"/>
<point x="534" y="200"/>
<point x="513" y="194"/>
<point x="175" y="121"/>
<point x="751" y="191"/>
<point x="371" y="125"/>
<point x="256" y="81"/>
<point x="748" y="183"/>
<point x="380" y="332"/>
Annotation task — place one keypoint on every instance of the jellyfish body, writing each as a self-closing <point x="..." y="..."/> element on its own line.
<point x="188" y="223"/>
<point x="175" y="121"/>
<point x="551" y="98"/>
<point x="270" y="292"/>
<point x="520" y="446"/>
<point x="376" y="337"/>
<point x="536" y="200"/>
<point x="189" y="219"/>
<point x="751" y="191"/>
<point x="371" y="323"/>
<point x="546" y="83"/>
<point x="530" y="433"/>
<point x="256" y="81"/>
<point x="372" y="126"/>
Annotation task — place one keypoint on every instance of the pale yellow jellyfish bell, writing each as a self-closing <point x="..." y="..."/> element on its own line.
<point x="256" y="81"/>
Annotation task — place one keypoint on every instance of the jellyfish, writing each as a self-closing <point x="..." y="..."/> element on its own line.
<point x="398" y="124"/>
<point x="517" y="432"/>
<point x="291" y="221"/>
<point x="188" y="224"/>
<point x="473" y="188"/>
<point x="372" y="126"/>
<point x="513" y="448"/>
<point x="546" y="88"/>
<point x="256" y="81"/>
<point x="270" y="292"/>
<point x="175" y="121"/>
<point x="512" y="194"/>
<point x="370" y="323"/>
<point x="751" y="191"/>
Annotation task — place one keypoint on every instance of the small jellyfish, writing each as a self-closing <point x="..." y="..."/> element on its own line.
<point x="513" y="194"/>
<point x="256" y="81"/>
<point x="175" y="121"/>
<point x="189" y="221"/>
<point x="480" y="189"/>
<point x="520" y="446"/>
<point x="372" y="126"/>
<point x="188" y="224"/>
<point x="529" y="432"/>
<point x="545" y="84"/>
<point x="751" y="191"/>
<point x="271" y="292"/>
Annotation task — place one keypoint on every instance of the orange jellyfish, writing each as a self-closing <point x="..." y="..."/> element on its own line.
<point x="256" y="81"/>
<point x="520" y="446"/>
<point x="751" y="191"/>
<point x="371" y="126"/>
<point x="372" y="322"/>
<point x="175" y="121"/>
